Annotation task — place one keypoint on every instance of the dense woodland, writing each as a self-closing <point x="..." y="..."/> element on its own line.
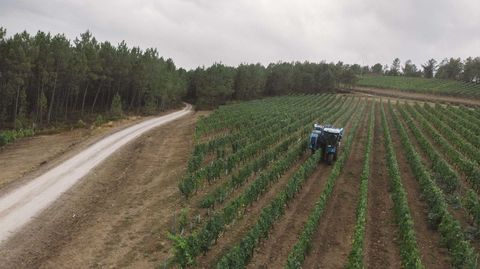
<point x="467" y="70"/>
<point x="48" y="79"/>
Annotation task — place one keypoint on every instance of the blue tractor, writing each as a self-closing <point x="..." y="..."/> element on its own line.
<point x="327" y="139"/>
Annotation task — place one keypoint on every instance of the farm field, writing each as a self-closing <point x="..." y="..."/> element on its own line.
<point x="403" y="192"/>
<point x="422" y="85"/>
<point x="238" y="188"/>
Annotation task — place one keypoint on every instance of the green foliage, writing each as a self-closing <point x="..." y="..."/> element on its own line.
<point x="408" y="244"/>
<point x="180" y="245"/>
<point x="99" y="120"/>
<point x="47" y="78"/>
<point x="260" y="138"/>
<point x="462" y="253"/>
<point x="355" y="258"/>
<point x="297" y="255"/>
<point x="116" y="107"/>
<point x="421" y="85"/>
<point x="200" y="241"/>
<point x="10" y="136"/>
<point x="467" y="167"/>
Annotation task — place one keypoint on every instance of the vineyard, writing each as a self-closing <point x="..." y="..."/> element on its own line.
<point x="403" y="192"/>
<point x="422" y="85"/>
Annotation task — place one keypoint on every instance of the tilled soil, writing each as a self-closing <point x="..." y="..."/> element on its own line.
<point x="380" y="247"/>
<point x="273" y="252"/>
<point x="332" y="242"/>
<point x="118" y="216"/>
<point x="433" y="254"/>
<point x="240" y="227"/>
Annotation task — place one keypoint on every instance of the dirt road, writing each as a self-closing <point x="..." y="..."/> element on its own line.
<point x="19" y="206"/>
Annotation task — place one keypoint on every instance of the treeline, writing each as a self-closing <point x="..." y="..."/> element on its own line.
<point x="467" y="70"/>
<point x="209" y="87"/>
<point x="46" y="79"/>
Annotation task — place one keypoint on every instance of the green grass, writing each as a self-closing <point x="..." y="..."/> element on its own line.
<point x="422" y="85"/>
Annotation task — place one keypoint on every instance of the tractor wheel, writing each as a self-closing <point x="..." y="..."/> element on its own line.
<point x="329" y="158"/>
<point x="335" y="155"/>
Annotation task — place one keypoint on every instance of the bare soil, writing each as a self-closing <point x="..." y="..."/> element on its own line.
<point x="332" y="242"/>
<point x="419" y="96"/>
<point x="381" y="235"/>
<point x="433" y="254"/>
<point x="240" y="227"/>
<point x="29" y="157"/>
<point x="118" y="216"/>
<point x="273" y="252"/>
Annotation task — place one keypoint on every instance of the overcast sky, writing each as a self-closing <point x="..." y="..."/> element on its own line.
<point x="201" y="32"/>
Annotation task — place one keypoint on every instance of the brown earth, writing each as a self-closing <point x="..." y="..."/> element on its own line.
<point x="380" y="246"/>
<point x="29" y="157"/>
<point x="433" y="254"/>
<point x="419" y="96"/>
<point x="458" y="212"/>
<point x="273" y="252"/>
<point x="236" y="230"/>
<point x="118" y="215"/>
<point x="332" y="242"/>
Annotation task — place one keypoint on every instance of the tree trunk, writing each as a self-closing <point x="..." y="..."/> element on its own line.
<point x="38" y="104"/>
<point x="67" y="98"/>
<point x="130" y="107"/>
<point x="41" y="107"/>
<point x="83" y="101"/>
<point x="52" y="99"/>
<point x="96" y="95"/>
<point x="16" y="109"/>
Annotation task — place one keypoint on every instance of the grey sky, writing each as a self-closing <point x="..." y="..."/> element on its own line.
<point x="201" y="32"/>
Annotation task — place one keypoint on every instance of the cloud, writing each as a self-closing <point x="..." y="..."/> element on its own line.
<point x="201" y="32"/>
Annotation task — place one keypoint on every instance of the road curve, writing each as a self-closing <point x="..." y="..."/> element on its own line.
<point x="20" y="205"/>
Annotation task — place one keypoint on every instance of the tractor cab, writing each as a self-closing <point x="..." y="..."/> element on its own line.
<point x="326" y="138"/>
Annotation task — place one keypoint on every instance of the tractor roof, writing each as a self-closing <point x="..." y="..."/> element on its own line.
<point x="333" y="130"/>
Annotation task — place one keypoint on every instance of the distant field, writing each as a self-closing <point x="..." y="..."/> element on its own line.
<point x="422" y="85"/>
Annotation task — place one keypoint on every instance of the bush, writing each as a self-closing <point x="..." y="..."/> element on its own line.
<point x="99" y="120"/>
<point x="116" y="108"/>
<point x="10" y="136"/>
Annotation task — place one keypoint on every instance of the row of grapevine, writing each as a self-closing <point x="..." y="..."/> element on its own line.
<point x="445" y="176"/>
<point x="355" y="258"/>
<point x="474" y="114"/>
<point x="200" y="241"/>
<point x="192" y="181"/>
<point x="297" y="254"/>
<point x="240" y="254"/>
<point x="453" y="137"/>
<point x="466" y="133"/>
<point x="464" y="119"/>
<point x="461" y="251"/>
<point x="252" y="129"/>
<point x="408" y="243"/>
<point x="220" y="193"/>
<point x="231" y="118"/>
<point x="467" y="167"/>
<point x="421" y="85"/>
<point x="250" y="134"/>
